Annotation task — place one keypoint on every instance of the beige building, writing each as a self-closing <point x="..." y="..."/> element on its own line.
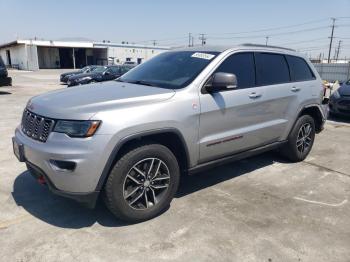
<point x="45" y="54"/>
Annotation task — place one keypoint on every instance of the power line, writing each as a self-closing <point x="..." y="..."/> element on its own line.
<point x="276" y="34"/>
<point x="304" y="41"/>
<point x="275" y="28"/>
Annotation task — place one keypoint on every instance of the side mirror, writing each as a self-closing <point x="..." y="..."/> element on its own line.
<point x="106" y="73"/>
<point x="221" y="81"/>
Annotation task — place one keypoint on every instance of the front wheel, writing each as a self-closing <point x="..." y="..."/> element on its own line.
<point x="142" y="183"/>
<point x="300" y="139"/>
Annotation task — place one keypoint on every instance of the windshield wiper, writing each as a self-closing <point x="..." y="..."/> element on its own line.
<point x="138" y="82"/>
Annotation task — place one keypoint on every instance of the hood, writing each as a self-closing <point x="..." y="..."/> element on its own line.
<point x="344" y="90"/>
<point x="71" y="73"/>
<point x="81" y="75"/>
<point x="82" y="102"/>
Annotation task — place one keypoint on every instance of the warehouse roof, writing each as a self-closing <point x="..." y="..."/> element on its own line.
<point x="77" y="44"/>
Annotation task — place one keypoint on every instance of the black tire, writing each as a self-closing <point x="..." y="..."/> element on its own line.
<point x="293" y="152"/>
<point x="114" y="191"/>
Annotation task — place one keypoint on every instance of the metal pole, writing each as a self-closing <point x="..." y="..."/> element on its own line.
<point x="73" y="58"/>
<point x="338" y="50"/>
<point x="267" y="40"/>
<point x="202" y="38"/>
<point x="331" y="41"/>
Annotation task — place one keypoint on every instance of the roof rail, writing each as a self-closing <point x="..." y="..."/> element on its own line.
<point x="269" y="46"/>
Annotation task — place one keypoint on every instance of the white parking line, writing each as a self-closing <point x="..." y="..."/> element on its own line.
<point x="322" y="203"/>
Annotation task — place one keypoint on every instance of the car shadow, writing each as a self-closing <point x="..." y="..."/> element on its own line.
<point x="5" y="93"/>
<point x="192" y="183"/>
<point x="65" y="213"/>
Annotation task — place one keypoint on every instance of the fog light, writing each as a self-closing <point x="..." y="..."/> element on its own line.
<point x="62" y="166"/>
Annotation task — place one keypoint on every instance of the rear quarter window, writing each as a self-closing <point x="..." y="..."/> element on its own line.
<point x="299" y="69"/>
<point x="271" y="69"/>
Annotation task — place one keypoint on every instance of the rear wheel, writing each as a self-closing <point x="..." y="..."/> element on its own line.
<point x="301" y="139"/>
<point x="142" y="183"/>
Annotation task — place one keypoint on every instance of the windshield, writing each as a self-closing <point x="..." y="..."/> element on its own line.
<point x="99" y="69"/>
<point x="173" y="70"/>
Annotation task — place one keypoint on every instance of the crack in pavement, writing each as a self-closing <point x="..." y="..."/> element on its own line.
<point x="327" y="168"/>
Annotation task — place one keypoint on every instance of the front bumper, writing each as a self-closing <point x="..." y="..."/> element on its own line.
<point x="64" y="79"/>
<point x="5" y="81"/>
<point x="340" y="106"/>
<point x="75" y="83"/>
<point x="86" y="199"/>
<point x="89" y="154"/>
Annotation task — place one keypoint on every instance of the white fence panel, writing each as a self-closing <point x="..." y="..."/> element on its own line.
<point x="334" y="72"/>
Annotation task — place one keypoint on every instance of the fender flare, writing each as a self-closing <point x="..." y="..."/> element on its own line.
<point x="321" y="112"/>
<point x="109" y="164"/>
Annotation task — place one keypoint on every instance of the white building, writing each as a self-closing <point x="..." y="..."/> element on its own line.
<point x="44" y="54"/>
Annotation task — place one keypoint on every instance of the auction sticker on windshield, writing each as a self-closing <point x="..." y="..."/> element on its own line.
<point x="203" y="56"/>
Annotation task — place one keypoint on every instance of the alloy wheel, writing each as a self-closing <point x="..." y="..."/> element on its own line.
<point x="146" y="183"/>
<point x="304" y="138"/>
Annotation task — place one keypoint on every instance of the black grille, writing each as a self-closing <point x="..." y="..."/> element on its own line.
<point x="35" y="126"/>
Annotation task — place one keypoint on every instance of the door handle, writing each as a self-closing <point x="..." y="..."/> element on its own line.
<point x="295" y="89"/>
<point x="254" y="95"/>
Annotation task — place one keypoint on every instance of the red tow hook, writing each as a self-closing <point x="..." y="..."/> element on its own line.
<point x="41" y="180"/>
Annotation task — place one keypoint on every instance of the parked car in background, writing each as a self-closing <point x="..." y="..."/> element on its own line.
<point x="180" y="112"/>
<point x="4" y="79"/>
<point x="99" y="74"/>
<point x="130" y="63"/>
<point x="87" y="69"/>
<point x="339" y="103"/>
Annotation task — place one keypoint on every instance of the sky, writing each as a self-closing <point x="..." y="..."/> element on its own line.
<point x="304" y="25"/>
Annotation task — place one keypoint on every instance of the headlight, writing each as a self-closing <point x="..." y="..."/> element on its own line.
<point x="77" y="128"/>
<point x="83" y="79"/>
<point x="335" y="94"/>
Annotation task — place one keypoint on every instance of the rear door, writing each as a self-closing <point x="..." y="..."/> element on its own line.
<point x="273" y="76"/>
<point x="302" y="77"/>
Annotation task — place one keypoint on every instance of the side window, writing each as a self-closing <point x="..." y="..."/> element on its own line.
<point x="113" y="70"/>
<point x="299" y="69"/>
<point x="242" y="65"/>
<point x="271" y="69"/>
<point x="124" y="69"/>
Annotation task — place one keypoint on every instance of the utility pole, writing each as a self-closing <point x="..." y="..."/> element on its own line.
<point x="267" y="40"/>
<point x="338" y="50"/>
<point x="189" y="40"/>
<point x="331" y="41"/>
<point x="203" y="39"/>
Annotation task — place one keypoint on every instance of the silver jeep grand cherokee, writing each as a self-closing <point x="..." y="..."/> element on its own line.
<point x="179" y="113"/>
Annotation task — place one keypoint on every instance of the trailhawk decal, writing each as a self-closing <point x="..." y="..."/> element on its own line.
<point x="203" y="56"/>
<point x="225" y="140"/>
